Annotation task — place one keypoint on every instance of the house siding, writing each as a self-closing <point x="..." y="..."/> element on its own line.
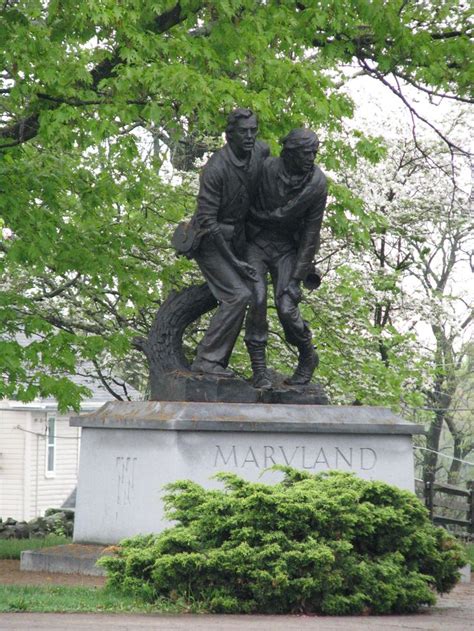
<point x="52" y="489"/>
<point x="13" y="446"/>
<point x="26" y="489"/>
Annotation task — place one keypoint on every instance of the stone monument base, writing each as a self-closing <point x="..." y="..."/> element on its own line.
<point x="195" y="387"/>
<point x="129" y="451"/>
<point x="71" y="558"/>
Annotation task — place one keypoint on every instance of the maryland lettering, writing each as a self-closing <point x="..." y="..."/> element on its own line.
<point x="300" y="456"/>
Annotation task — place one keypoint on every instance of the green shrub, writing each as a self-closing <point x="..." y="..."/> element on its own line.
<point x="329" y="543"/>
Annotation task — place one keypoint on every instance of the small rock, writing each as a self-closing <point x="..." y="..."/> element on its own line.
<point x="52" y="511"/>
<point x="22" y="531"/>
<point x="40" y="534"/>
<point x="53" y="518"/>
<point x="9" y="533"/>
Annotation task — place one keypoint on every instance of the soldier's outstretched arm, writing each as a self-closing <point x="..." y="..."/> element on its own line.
<point x="241" y="267"/>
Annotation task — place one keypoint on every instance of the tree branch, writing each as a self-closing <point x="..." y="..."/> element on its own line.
<point x="397" y="91"/>
<point x="441" y="95"/>
<point x="28" y="127"/>
<point x="82" y="102"/>
<point x="59" y="290"/>
<point x="105" y="383"/>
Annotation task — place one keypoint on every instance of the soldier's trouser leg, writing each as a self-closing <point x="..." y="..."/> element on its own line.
<point x="233" y="295"/>
<point x="296" y="330"/>
<point x="256" y="326"/>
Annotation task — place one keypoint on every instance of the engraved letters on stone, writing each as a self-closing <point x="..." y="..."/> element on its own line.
<point x="299" y="456"/>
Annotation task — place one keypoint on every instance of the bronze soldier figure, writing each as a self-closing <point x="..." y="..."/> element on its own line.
<point x="215" y="236"/>
<point x="283" y="236"/>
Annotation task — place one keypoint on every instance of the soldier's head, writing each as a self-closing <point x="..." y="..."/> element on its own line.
<point x="299" y="149"/>
<point x="241" y="131"/>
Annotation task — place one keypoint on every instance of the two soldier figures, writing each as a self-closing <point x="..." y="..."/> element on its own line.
<point x="256" y="215"/>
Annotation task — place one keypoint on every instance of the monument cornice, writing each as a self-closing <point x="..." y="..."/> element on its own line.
<point x="247" y="417"/>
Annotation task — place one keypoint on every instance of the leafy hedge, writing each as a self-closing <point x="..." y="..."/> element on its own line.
<point x="329" y="543"/>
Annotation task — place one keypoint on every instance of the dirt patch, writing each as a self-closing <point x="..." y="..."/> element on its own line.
<point x="10" y="574"/>
<point x="461" y="597"/>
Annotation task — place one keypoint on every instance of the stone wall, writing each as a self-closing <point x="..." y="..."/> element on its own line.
<point x="55" y="521"/>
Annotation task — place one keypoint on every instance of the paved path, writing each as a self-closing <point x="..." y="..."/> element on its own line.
<point x="454" y="612"/>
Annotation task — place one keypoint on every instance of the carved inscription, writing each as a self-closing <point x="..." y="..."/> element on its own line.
<point x="125" y="467"/>
<point x="300" y="456"/>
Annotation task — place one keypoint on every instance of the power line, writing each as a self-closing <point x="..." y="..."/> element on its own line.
<point x="420" y="407"/>
<point x="444" y="455"/>
<point x="43" y="435"/>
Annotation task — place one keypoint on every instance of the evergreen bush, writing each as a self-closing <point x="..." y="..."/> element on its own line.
<point x="329" y="543"/>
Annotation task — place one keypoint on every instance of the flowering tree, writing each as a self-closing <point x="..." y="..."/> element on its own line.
<point x="87" y="260"/>
<point x="414" y="282"/>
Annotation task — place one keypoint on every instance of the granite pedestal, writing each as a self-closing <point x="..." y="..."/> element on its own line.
<point x="129" y="451"/>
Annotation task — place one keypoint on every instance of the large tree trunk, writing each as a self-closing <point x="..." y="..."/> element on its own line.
<point x="458" y="451"/>
<point x="433" y="437"/>
<point x="164" y="345"/>
<point x="440" y="397"/>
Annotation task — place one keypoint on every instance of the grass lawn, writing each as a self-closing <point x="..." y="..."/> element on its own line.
<point x="11" y="548"/>
<point x="69" y="599"/>
<point x="55" y="599"/>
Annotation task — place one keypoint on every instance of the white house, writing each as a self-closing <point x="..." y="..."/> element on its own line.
<point x="39" y="452"/>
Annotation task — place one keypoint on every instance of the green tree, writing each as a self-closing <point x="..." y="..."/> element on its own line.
<point x="88" y="86"/>
<point x="413" y="280"/>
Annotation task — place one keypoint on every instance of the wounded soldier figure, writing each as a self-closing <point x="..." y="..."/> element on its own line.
<point x="282" y="232"/>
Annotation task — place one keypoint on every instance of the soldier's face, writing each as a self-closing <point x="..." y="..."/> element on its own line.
<point x="244" y="134"/>
<point x="302" y="158"/>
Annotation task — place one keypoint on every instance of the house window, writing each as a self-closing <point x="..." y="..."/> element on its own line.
<point x="51" y="446"/>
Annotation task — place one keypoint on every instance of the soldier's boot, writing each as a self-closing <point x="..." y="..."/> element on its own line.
<point x="308" y="361"/>
<point x="211" y="368"/>
<point x="259" y="365"/>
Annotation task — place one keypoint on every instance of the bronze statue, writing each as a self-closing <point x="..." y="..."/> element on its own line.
<point x="282" y="232"/>
<point x="215" y="237"/>
<point x="256" y="215"/>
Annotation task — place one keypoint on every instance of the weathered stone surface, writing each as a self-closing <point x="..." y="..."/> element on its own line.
<point x="193" y="416"/>
<point x="22" y="531"/>
<point x="56" y="520"/>
<point x="64" y="513"/>
<point x="195" y="387"/>
<point x="67" y="559"/>
<point x="129" y="451"/>
<point x="182" y="386"/>
<point x="310" y="394"/>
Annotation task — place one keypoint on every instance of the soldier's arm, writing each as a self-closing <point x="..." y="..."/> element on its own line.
<point x="209" y="198"/>
<point x="209" y="202"/>
<point x="295" y="208"/>
<point x="309" y="243"/>
<point x="310" y="233"/>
